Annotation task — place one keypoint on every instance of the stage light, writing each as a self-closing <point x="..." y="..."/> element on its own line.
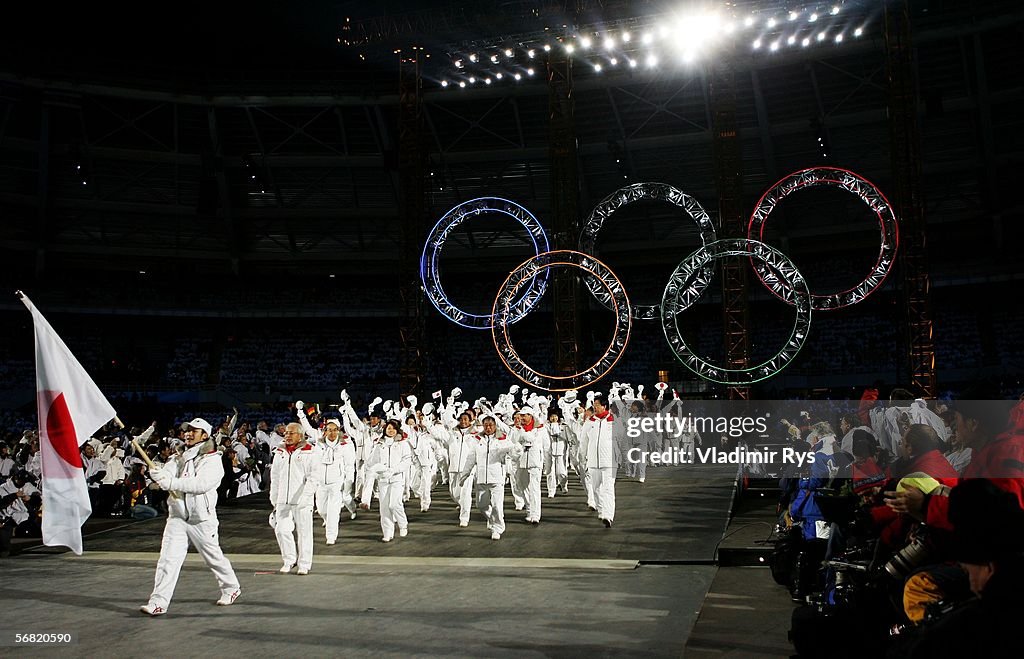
<point x="529" y="72"/>
<point x="859" y="31"/>
<point x="632" y="63"/>
<point x="813" y="17"/>
<point x="647" y="38"/>
<point x="806" y="42"/>
<point x="487" y="81"/>
<point x="458" y="64"/>
<point x="626" y="37"/>
<point x="748" y="21"/>
<point x="472" y="80"/>
<point x="569" y="48"/>
<point x="499" y="75"/>
<point x="774" y="45"/>
<point x="585" y="42"/>
<point x="494" y="59"/>
<point x="518" y="76"/>
<point x="597" y="68"/>
<point x="821" y="35"/>
<point x="609" y="43"/>
<point x="547" y="48"/>
<point x="444" y="83"/>
<point x="793" y="15"/>
<point x="652" y="61"/>
<point x="839" y="38"/>
<point x="530" y="53"/>
<point x="508" y="52"/>
<point x="688" y="57"/>
<point x="756" y="44"/>
<point x="771" y="23"/>
<point x="613" y="61"/>
<point x="791" y="40"/>
<point x="472" y="57"/>
<point x="835" y="9"/>
<point x="462" y="85"/>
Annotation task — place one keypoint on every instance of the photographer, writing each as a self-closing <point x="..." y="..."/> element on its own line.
<point x="988" y="527"/>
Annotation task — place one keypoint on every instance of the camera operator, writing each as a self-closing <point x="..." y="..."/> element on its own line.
<point x="988" y="527"/>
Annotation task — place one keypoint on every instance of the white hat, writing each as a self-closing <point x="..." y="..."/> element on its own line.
<point x="335" y="422"/>
<point x="526" y="409"/>
<point x="200" y="424"/>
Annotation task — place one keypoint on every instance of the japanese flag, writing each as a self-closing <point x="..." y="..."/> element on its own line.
<point x="71" y="408"/>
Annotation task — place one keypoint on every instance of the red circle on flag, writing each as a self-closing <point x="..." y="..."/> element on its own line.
<point x="61" y="431"/>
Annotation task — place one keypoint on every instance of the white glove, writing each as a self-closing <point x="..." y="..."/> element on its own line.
<point x="387" y="407"/>
<point x="571" y="395"/>
<point x="299" y="405"/>
<point x="344" y="396"/>
<point x="456" y="392"/>
<point x="161" y="478"/>
<point x="373" y="405"/>
<point x="640" y="391"/>
<point x="412" y="400"/>
<point x="428" y="408"/>
<point x="513" y="389"/>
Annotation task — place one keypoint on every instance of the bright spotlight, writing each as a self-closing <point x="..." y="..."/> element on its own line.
<point x="859" y="31"/>
<point x="462" y="85"/>
<point x="652" y="61"/>
<point x="774" y="46"/>
<point x="839" y="38"/>
<point x="487" y="81"/>
<point x="585" y="42"/>
<point x="569" y="48"/>
<point x="597" y="68"/>
<point x="791" y="40"/>
<point x="547" y="48"/>
<point x="793" y="15"/>
<point x="508" y="52"/>
<point x="529" y="72"/>
<point x="835" y="9"/>
<point x="806" y="42"/>
<point x="647" y="38"/>
<point x="821" y="36"/>
<point x="472" y="57"/>
<point x="518" y="76"/>
<point x="609" y="43"/>
<point x="632" y="63"/>
<point x="530" y="53"/>
<point x="626" y="37"/>
<point x="499" y="75"/>
<point x="813" y="17"/>
<point x="444" y="83"/>
<point x="748" y="21"/>
<point x="771" y="22"/>
<point x="613" y="61"/>
<point x="756" y="44"/>
<point x="472" y="79"/>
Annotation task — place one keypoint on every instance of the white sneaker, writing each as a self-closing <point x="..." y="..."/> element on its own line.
<point x="463" y="523"/>
<point x="495" y="535"/>
<point x="285" y="569"/>
<point x="229" y="598"/>
<point x="152" y="609"/>
<point x="353" y="515"/>
<point x="403" y="532"/>
<point x="385" y="539"/>
<point x="642" y="480"/>
<point x="302" y="571"/>
<point x="331" y="542"/>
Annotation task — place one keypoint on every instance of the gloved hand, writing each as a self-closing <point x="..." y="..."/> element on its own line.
<point x="373" y="405"/>
<point x="640" y="391"/>
<point x="428" y="408"/>
<point x="162" y="479"/>
<point x="344" y="396"/>
<point x="412" y="400"/>
<point x="456" y="392"/>
<point x="513" y="389"/>
<point x="299" y="405"/>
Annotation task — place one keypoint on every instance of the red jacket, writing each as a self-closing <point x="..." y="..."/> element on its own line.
<point x="1001" y="461"/>
<point x="867" y="401"/>
<point x="894" y="526"/>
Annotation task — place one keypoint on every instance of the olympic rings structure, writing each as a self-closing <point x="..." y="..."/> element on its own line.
<point x="522" y="289"/>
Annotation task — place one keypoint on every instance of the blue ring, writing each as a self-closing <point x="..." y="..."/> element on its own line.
<point x="430" y="267"/>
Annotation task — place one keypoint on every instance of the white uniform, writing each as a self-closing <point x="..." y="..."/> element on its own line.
<point x="486" y="464"/>
<point x="459" y="445"/>
<point x="529" y="466"/>
<point x="192" y="481"/>
<point x="294" y="476"/>
<point x="334" y="489"/>
<point x="387" y="464"/>
<point x="558" y="474"/>
<point x="599" y="448"/>
<point x="424" y="463"/>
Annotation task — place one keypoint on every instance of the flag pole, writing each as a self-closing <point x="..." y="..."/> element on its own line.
<point x="135" y="444"/>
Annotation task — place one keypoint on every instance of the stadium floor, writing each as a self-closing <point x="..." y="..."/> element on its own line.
<point x="567" y="587"/>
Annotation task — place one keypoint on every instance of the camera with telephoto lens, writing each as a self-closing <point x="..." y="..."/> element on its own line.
<point x="914" y="555"/>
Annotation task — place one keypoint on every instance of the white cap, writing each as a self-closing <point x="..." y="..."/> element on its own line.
<point x="200" y="424"/>
<point x="526" y="409"/>
<point x="335" y="422"/>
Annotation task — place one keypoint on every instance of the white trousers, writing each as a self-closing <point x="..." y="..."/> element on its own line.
<point x="518" y="483"/>
<point x="557" y="473"/>
<point x="392" y="507"/>
<point x="424" y="484"/>
<point x="490" y="500"/>
<point x="298" y="520"/>
<point x="461" y="494"/>
<point x="603" y="482"/>
<point x="529" y="484"/>
<point x="329" y="500"/>
<point x="203" y="536"/>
